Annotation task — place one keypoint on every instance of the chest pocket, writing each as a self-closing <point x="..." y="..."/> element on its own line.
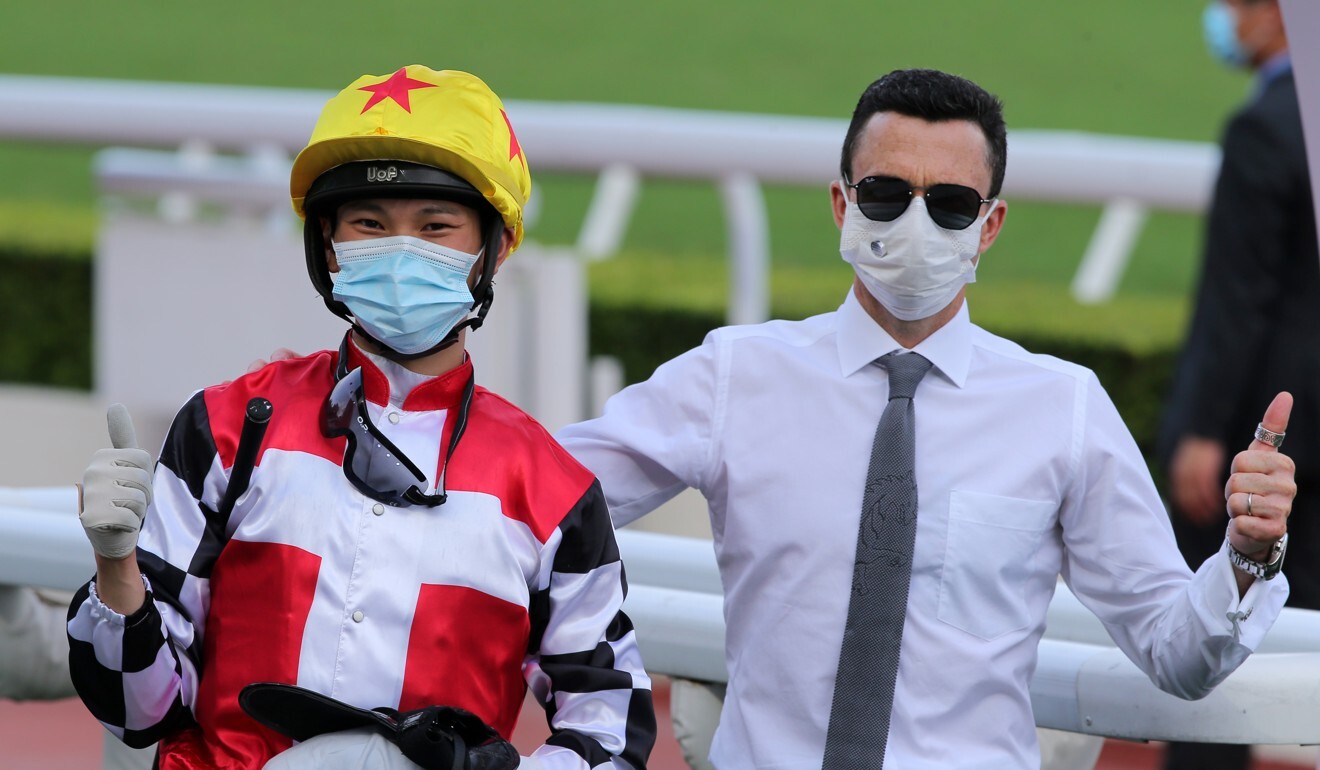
<point x="989" y="561"/>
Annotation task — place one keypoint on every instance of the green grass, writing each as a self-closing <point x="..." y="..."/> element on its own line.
<point x="1126" y="66"/>
<point x="1122" y="67"/>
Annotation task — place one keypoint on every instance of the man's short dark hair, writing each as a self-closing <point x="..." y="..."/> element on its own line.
<point x="934" y="96"/>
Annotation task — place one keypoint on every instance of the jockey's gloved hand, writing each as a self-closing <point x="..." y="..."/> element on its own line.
<point x="116" y="489"/>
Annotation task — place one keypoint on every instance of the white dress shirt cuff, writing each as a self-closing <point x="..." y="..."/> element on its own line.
<point x="1246" y="619"/>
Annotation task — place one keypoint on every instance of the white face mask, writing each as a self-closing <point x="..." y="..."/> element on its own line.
<point x="911" y="265"/>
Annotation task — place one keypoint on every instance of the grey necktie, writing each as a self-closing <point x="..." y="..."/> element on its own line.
<point x="868" y="661"/>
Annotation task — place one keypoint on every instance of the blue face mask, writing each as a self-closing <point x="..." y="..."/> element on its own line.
<point x="1220" y="27"/>
<point x="406" y="292"/>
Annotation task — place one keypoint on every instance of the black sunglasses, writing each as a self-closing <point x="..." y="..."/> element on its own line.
<point x="372" y="463"/>
<point x="885" y="198"/>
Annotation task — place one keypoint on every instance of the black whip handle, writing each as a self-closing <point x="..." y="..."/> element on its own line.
<point x="255" y="419"/>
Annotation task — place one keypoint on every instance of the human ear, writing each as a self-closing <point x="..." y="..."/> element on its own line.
<point x="993" y="224"/>
<point x="838" y="202"/>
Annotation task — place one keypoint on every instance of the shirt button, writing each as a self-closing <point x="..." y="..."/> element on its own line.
<point x="394" y="418"/>
<point x="357" y="616"/>
<point x="378" y="509"/>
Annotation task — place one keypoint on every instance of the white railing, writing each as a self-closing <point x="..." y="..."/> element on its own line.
<point x="737" y="152"/>
<point x="1082" y="684"/>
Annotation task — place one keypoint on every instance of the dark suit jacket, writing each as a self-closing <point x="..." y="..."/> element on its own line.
<point x="1256" y="327"/>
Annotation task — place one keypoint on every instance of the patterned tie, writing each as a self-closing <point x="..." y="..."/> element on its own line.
<point x="868" y="662"/>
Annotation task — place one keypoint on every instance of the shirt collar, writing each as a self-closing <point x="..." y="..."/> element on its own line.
<point x="1277" y="66"/>
<point x="439" y="392"/>
<point x="861" y="341"/>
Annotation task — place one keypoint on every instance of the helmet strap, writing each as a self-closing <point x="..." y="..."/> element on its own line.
<point x="314" y="249"/>
<point x="483" y="294"/>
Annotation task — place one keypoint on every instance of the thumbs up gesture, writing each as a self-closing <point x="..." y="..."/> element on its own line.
<point x="116" y="490"/>
<point x="1261" y="489"/>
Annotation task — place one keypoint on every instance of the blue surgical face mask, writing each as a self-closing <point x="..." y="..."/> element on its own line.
<point x="1220" y="26"/>
<point x="406" y="292"/>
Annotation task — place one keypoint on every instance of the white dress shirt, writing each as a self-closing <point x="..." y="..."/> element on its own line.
<point x="1024" y="470"/>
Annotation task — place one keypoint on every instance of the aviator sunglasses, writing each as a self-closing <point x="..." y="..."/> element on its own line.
<point x="885" y="198"/>
<point x="372" y="463"/>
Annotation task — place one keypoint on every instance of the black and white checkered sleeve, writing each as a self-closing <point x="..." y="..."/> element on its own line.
<point x="584" y="665"/>
<point x="138" y="674"/>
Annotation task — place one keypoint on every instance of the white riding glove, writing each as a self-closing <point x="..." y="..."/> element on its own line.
<point x="116" y="489"/>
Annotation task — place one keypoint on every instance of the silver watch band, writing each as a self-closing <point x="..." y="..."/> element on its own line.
<point x="1265" y="570"/>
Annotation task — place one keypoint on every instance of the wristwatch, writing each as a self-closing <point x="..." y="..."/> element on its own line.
<point x="1265" y="570"/>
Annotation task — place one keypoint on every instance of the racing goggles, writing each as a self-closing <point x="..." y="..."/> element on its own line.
<point x="885" y="198"/>
<point x="372" y="463"/>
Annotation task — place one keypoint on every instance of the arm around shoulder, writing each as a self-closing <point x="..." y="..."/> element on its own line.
<point x="657" y="437"/>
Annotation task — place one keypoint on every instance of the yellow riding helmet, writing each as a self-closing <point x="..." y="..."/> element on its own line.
<point x="446" y="119"/>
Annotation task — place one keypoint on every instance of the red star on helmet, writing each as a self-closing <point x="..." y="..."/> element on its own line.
<point x="396" y="87"/>
<point x="515" y="149"/>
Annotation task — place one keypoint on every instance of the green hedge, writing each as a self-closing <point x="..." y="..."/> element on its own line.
<point x="47" y="307"/>
<point x="46" y="304"/>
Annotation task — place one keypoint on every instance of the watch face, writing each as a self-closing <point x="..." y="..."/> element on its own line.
<point x="1276" y="555"/>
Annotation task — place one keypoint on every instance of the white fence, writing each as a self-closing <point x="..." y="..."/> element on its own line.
<point x="737" y="152"/>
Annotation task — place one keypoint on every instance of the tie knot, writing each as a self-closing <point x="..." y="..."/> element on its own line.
<point x="905" y="372"/>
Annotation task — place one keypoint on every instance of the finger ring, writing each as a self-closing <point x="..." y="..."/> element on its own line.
<point x="1265" y="435"/>
<point x="1249" y="503"/>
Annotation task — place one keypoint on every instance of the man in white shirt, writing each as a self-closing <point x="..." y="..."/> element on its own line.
<point x="1023" y="470"/>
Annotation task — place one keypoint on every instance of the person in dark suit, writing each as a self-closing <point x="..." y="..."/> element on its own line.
<point x="1253" y="331"/>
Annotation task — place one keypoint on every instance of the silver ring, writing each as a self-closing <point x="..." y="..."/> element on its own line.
<point x="1267" y="436"/>
<point x="1249" y="503"/>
